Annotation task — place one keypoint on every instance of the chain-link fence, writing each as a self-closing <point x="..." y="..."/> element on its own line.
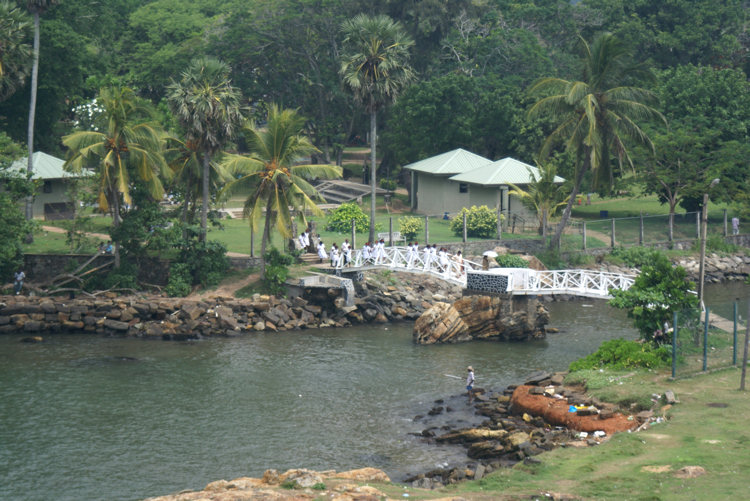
<point x="704" y="341"/>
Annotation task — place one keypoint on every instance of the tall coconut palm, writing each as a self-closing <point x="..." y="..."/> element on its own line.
<point x="208" y="108"/>
<point x="270" y="173"/>
<point x="15" y="52"/>
<point x="596" y="115"/>
<point x="37" y="8"/>
<point x="375" y="67"/>
<point x="128" y="146"/>
<point x="184" y="161"/>
<point x="542" y="195"/>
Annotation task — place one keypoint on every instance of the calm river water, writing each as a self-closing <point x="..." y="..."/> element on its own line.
<point x="87" y="418"/>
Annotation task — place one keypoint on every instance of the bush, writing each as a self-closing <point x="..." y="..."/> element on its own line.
<point x="340" y="220"/>
<point x="277" y="271"/>
<point x="388" y="184"/>
<point x="410" y="226"/>
<point x="481" y="222"/>
<point x="636" y="257"/>
<point x="622" y="354"/>
<point x="180" y="280"/>
<point x="511" y="261"/>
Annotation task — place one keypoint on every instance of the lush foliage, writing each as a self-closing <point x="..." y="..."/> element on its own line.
<point x="659" y="290"/>
<point x="543" y="195"/>
<point x="511" y="261"/>
<point x="388" y="184"/>
<point x="15" y="50"/>
<point x="622" y="354"/>
<point x="340" y="219"/>
<point x="410" y="226"/>
<point x="636" y="256"/>
<point x="277" y="270"/>
<point x="481" y="222"/>
<point x="13" y="225"/>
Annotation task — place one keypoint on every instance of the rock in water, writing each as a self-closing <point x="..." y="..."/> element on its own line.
<point x="482" y="317"/>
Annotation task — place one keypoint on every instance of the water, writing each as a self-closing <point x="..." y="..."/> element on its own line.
<point x="85" y="417"/>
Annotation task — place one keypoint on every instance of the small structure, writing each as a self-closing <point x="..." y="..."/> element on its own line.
<point x="457" y="179"/>
<point x="51" y="200"/>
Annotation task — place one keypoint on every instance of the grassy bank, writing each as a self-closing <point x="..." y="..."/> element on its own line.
<point x="644" y="465"/>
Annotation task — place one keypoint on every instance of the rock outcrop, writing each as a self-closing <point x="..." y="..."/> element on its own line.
<point x="482" y="317"/>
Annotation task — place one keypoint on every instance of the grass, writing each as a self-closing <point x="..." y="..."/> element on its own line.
<point x="642" y="465"/>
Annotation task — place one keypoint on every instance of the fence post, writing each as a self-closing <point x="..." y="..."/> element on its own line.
<point x="705" y="340"/>
<point x="354" y="234"/>
<point x="640" y="234"/>
<point x="499" y="225"/>
<point x="390" y="231"/>
<point x="464" y="220"/>
<point x="744" y="353"/>
<point x="674" y="344"/>
<point x="426" y="229"/>
<point x="612" y="237"/>
<point x="584" y="235"/>
<point x="698" y="224"/>
<point x="725" y="223"/>
<point x="734" y="336"/>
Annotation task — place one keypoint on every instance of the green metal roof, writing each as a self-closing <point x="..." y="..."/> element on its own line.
<point x="45" y="166"/>
<point x="452" y="162"/>
<point x="507" y="170"/>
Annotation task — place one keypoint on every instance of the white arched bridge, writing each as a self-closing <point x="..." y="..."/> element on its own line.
<point x="472" y="276"/>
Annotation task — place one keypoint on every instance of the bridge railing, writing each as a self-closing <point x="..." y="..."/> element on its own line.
<point x="574" y="281"/>
<point x="447" y="267"/>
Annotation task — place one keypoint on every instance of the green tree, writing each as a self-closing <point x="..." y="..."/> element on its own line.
<point x="596" y="115"/>
<point x="128" y="147"/>
<point x="208" y="108"/>
<point x="270" y="173"/>
<point x="15" y="52"/>
<point x="13" y="226"/>
<point x="375" y="67"/>
<point x="37" y="8"/>
<point x="543" y="195"/>
<point x="659" y="290"/>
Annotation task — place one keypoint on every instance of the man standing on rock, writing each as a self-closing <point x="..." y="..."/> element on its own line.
<point x="470" y="383"/>
<point x="18" y="281"/>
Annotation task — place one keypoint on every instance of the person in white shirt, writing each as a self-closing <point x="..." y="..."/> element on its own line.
<point x="427" y="257"/>
<point x="335" y="256"/>
<point x="346" y="250"/>
<point x="301" y="241"/>
<point x="470" y="383"/>
<point x="433" y="255"/>
<point x="322" y="254"/>
<point x="366" y="254"/>
<point x="409" y="255"/>
<point x="443" y="257"/>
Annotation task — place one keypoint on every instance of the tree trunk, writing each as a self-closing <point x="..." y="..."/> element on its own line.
<point x="672" y="205"/>
<point x="373" y="169"/>
<point x="115" y="205"/>
<point x="204" y="207"/>
<point x="554" y="243"/>
<point x="264" y="240"/>
<point x="32" y="116"/>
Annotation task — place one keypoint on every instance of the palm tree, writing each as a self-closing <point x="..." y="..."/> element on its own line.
<point x="37" y="8"/>
<point x="375" y="67"/>
<point x="270" y="172"/>
<point x="184" y="161"/>
<point x="594" y="116"/>
<point x="542" y="195"/>
<point x="123" y="149"/>
<point x="208" y="108"/>
<point x="15" y="52"/>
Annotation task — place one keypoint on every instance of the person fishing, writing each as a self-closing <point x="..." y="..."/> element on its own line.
<point x="470" y="383"/>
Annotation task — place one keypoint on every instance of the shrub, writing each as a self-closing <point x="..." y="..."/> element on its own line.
<point x="481" y="222"/>
<point x="340" y="220"/>
<point x="410" y="226"/>
<point x="388" y="184"/>
<point x="180" y="280"/>
<point x="622" y="354"/>
<point x="511" y="261"/>
<point x="636" y="257"/>
<point x="277" y="270"/>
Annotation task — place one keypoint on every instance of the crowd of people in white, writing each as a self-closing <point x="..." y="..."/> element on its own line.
<point x="429" y="258"/>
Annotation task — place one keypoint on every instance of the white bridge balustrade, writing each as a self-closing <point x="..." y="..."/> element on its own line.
<point x="470" y="275"/>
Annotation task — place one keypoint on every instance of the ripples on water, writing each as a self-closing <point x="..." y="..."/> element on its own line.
<point x="85" y="417"/>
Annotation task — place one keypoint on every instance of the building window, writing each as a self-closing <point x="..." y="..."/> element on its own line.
<point x="463" y="188"/>
<point x="47" y="188"/>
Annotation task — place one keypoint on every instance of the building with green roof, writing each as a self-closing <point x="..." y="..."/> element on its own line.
<point x="51" y="200"/>
<point x="450" y="181"/>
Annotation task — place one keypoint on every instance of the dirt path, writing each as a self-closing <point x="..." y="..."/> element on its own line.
<point x="55" y="229"/>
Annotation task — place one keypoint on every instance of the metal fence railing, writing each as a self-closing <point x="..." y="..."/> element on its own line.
<point x="704" y="341"/>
